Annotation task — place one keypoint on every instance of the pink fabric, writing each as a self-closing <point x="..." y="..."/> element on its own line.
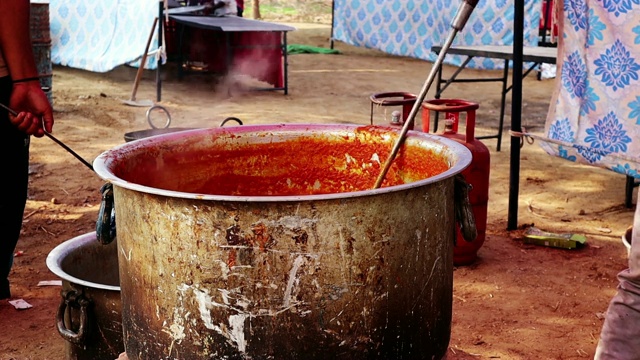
<point x="4" y="71"/>
<point x="257" y="54"/>
<point x="594" y="116"/>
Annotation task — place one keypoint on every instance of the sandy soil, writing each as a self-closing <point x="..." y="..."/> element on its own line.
<point x="517" y="301"/>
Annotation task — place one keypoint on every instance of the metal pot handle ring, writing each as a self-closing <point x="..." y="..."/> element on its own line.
<point x="231" y="118"/>
<point x="106" y="223"/>
<point x="163" y="109"/>
<point x="65" y="305"/>
<point x="463" y="211"/>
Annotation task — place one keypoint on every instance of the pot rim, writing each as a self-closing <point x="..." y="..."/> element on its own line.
<point x="54" y="261"/>
<point x="102" y="164"/>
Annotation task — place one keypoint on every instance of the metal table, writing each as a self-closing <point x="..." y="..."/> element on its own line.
<point x="233" y="24"/>
<point x="534" y="55"/>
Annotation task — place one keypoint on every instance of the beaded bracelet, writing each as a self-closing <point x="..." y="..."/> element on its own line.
<point x="27" y="79"/>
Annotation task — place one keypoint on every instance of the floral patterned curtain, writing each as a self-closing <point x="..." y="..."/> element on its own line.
<point x="101" y="35"/>
<point x="412" y="27"/>
<point x="594" y="116"/>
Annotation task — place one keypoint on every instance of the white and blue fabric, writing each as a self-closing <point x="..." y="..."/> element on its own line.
<point x="411" y="27"/>
<point x="99" y="35"/>
<point x="594" y="117"/>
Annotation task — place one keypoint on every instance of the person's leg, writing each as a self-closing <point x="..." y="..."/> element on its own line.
<point x="620" y="335"/>
<point x="14" y="162"/>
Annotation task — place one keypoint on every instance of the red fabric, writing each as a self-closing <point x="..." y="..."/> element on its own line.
<point x="171" y="37"/>
<point x="547" y="13"/>
<point x="257" y="54"/>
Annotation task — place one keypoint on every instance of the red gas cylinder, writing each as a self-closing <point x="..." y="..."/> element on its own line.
<point x="477" y="174"/>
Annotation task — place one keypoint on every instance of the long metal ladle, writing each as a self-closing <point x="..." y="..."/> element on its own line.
<point x="85" y="162"/>
<point x="462" y="15"/>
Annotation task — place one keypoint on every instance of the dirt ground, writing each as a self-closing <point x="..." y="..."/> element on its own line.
<point x="517" y="301"/>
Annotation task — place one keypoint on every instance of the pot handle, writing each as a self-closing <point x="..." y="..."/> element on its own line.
<point x="464" y="213"/>
<point x="231" y="118"/>
<point x="164" y="110"/>
<point x="106" y="224"/>
<point x="70" y="298"/>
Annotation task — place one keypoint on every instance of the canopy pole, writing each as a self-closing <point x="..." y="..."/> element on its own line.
<point x="333" y="15"/>
<point x="516" y="114"/>
<point x="160" y="45"/>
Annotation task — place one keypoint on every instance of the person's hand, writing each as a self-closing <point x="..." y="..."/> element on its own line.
<point x="209" y="7"/>
<point x="35" y="115"/>
<point x="28" y="123"/>
<point x="212" y="6"/>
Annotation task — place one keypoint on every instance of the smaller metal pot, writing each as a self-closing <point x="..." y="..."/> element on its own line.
<point x="89" y="317"/>
<point x="141" y="134"/>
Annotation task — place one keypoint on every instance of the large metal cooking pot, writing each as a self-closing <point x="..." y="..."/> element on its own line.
<point x="89" y="317"/>
<point x="267" y="242"/>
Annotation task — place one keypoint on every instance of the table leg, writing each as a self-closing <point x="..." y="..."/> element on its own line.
<point x="229" y="59"/>
<point x="503" y="101"/>
<point x="160" y="30"/>
<point x="181" y="29"/>
<point x="439" y="90"/>
<point x="286" y="64"/>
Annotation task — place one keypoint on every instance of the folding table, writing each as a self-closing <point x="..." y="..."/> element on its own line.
<point x="533" y="55"/>
<point x="241" y="36"/>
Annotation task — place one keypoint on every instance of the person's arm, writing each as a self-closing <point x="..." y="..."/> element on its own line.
<point x="27" y="98"/>
<point x="211" y="6"/>
<point x="219" y="4"/>
<point x="14" y="39"/>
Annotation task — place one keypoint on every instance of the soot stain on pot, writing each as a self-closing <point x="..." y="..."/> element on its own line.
<point x="300" y="236"/>
<point x="349" y="245"/>
<point x="233" y="235"/>
<point x="264" y="240"/>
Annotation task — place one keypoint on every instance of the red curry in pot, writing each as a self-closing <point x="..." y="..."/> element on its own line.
<point x="304" y="165"/>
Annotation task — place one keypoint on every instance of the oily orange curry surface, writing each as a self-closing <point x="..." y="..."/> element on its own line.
<point x="301" y="166"/>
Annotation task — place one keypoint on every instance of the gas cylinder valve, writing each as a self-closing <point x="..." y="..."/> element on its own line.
<point x="395" y="117"/>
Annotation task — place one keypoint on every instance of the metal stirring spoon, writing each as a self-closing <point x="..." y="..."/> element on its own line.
<point x="86" y="163"/>
<point x="462" y="15"/>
